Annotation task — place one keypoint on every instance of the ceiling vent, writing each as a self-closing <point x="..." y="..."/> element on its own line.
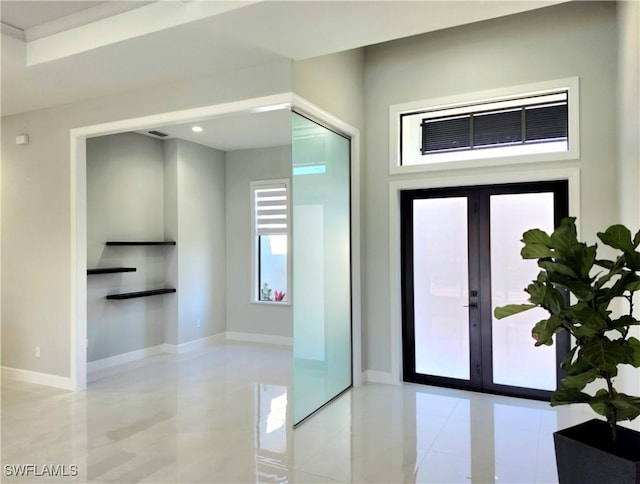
<point x="159" y="134"/>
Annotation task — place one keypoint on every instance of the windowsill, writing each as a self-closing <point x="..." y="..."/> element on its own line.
<point x="272" y="303"/>
<point x="530" y="159"/>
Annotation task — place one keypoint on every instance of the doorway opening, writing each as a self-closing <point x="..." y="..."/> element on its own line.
<point x="79" y="138"/>
<point x="460" y="257"/>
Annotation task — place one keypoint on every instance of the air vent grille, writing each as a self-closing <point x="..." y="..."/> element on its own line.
<point x="159" y="134"/>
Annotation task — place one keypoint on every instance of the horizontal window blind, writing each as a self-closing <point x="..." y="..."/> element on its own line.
<point x="539" y="119"/>
<point x="271" y="215"/>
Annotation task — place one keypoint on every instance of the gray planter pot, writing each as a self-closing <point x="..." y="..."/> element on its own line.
<point x="585" y="454"/>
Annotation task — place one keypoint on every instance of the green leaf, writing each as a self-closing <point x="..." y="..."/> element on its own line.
<point x="579" y="381"/>
<point x="564" y="236"/>
<point x="636" y="239"/>
<point x="620" y="286"/>
<point x="594" y="319"/>
<point x="618" y="237"/>
<point x="511" y="309"/>
<point x="606" y="355"/>
<point x="618" y="406"/>
<point x="553" y="300"/>
<point x="580" y="258"/>
<point x="623" y="322"/>
<point x="536" y="236"/>
<point x="567" y="362"/>
<point x="633" y="286"/>
<point x="557" y="267"/>
<point x="633" y="260"/>
<point x="634" y="344"/>
<point x="536" y="251"/>
<point x="627" y="407"/>
<point x="536" y="291"/>
<point x="544" y="330"/>
<point x="580" y="365"/>
<point x="569" y="396"/>
<point x="601" y="281"/>
<point x="581" y="289"/>
<point x="600" y="404"/>
<point x="607" y="264"/>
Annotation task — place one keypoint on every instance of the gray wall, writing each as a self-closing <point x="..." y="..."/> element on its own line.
<point x="201" y="248"/>
<point x="125" y="201"/>
<point x="574" y="39"/>
<point x="629" y="137"/>
<point x="336" y="83"/>
<point x="36" y="199"/>
<point x="140" y="188"/>
<point x="243" y="167"/>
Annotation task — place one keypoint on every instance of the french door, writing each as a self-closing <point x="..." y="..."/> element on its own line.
<point x="461" y="259"/>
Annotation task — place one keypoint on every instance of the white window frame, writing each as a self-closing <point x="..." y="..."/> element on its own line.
<point x="571" y="85"/>
<point x="255" y="273"/>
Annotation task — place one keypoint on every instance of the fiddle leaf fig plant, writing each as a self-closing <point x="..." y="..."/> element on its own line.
<point x="599" y="315"/>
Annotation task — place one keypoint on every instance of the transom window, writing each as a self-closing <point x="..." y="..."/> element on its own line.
<point x="540" y="124"/>
<point x="538" y="119"/>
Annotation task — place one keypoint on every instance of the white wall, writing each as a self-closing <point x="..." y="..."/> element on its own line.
<point x="125" y="201"/>
<point x="574" y="39"/>
<point x="36" y="204"/>
<point x="243" y="167"/>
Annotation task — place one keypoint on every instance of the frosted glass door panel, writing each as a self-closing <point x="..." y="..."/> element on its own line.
<point x="320" y="200"/>
<point x="441" y="287"/>
<point x="516" y="361"/>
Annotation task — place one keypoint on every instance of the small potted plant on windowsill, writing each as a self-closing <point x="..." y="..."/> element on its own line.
<point x="599" y="318"/>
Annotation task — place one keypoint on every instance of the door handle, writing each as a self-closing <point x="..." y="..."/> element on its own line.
<point x="471" y="305"/>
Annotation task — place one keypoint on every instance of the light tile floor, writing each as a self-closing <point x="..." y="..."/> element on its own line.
<point x="221" y="414"/>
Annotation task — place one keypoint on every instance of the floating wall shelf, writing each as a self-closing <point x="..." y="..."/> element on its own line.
<point x="162" y="242"/>
<point x="131" y="295"/>
<point x="109" y="270"/>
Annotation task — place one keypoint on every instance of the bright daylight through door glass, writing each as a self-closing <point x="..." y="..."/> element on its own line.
<point x="441" y="287"/>
<point x="516" y="361"/>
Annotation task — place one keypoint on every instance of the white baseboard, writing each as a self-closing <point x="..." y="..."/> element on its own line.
<point x="122" y="358"/>
<point x="193" y="345"/>
<point x="374" y="376"/>
<point x="37" y="378"/>
<point x="140" y="354"/>
<point x="259" y="338"/>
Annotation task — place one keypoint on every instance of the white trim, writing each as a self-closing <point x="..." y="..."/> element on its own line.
<point x="78" y="258"/>
<point x="384" y="377"/>
<point x="571" y="84"/>
<point x="78" y="323"/>
<point x="123" y="358"/>
<point x="115" y="360"/>
<point x="259" y="338"/>
<point x="572" y="174"/>
<point x="37" y="377"/>
<point x="193" y="345"/>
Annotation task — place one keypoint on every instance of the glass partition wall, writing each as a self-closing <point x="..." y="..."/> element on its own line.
<point x="321" y="291"/>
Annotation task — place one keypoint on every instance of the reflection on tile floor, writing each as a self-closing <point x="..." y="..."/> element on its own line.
<point x="222" y="414"/>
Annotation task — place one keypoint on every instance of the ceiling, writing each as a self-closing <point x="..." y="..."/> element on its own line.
<point x="58" y="52"/>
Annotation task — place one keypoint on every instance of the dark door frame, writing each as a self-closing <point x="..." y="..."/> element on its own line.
<point x="480" y="335"/>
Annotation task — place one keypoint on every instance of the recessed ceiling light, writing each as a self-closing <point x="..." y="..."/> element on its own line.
<point x="197" y="129"/>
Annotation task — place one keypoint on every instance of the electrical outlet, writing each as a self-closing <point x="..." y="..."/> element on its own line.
<point x="37" y="352"/>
